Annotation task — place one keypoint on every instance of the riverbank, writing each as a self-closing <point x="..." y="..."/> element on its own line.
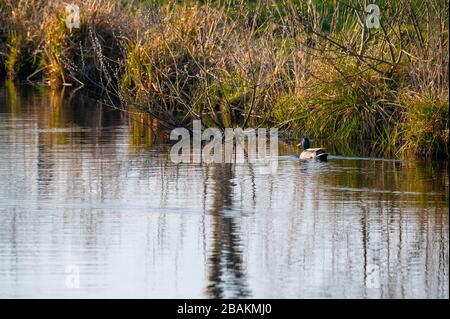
<point x="307" y="69"/>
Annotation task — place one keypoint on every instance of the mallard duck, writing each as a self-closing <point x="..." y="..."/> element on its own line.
<point x="311" y="153"/>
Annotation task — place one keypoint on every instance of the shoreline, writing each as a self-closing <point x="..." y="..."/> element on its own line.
<point x="288" y="146"/>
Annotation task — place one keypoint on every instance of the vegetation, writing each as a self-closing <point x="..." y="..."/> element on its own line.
<point x="308" y="67"/>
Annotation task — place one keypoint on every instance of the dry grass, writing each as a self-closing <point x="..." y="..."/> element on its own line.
<point x="39" y="41"/>
<point x="310" y="68"/>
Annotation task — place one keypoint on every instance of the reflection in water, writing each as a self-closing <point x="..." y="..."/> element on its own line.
<point x="88" y="186"/>
<point x="225" y="263"/>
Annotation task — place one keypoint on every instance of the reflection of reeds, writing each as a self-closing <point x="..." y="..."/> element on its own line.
<point x="141" y="130"/>
<point x="310" y="68"/>
<point x="389" y="181"/>
<point x="225" y="264"/>
<point x="13" y="97"/>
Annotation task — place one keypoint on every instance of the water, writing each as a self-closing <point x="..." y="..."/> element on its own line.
<point x="85" y="188"/>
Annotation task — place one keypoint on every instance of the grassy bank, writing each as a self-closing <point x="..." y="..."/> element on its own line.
<point x="308" y="67"/>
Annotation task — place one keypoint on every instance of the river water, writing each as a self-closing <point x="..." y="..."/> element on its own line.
<point x="91" y="206"/>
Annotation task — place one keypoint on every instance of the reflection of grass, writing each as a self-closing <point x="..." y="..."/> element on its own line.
<point x="297" y="65"/>
<point x="13" y="96"/>
<point x="57" y="115"/>
<point x="141" y="133"/>
<point x="393" y="181"/>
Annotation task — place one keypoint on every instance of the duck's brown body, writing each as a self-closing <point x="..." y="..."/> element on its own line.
<point x="314" y="154"/>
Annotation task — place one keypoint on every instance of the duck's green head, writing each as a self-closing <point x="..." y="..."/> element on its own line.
<point x="304" y="143"/>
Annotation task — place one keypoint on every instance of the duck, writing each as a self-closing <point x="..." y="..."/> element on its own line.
<point x="311" y="153"/>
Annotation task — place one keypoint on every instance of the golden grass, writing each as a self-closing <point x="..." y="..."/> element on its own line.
<point x="309" y="70"/>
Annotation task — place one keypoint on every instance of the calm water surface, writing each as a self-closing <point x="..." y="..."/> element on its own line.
<point x="87" y="186"/>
